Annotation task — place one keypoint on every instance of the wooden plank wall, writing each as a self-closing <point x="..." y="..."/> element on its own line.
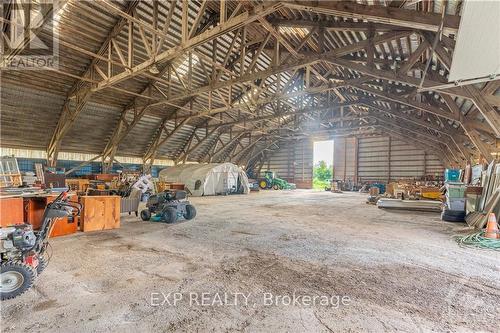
<point x="293" y="162"/>
<point x="345" y="159"/>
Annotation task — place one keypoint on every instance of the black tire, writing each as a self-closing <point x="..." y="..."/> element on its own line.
<point x="453" y="215"/>
<point x="264" y="184"/>
<point x="169" y="215"/>
<point x="145" y="214"/>
<point x="190" y="212"/>
<point x="276" y="187"/>
<point x="42" y="264"/>
<point x="16" y="278"/>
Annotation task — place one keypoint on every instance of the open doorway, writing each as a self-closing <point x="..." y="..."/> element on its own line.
<point x="323" y="164"/>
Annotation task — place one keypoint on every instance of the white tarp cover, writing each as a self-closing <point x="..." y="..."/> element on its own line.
<point x="207" y="179"/>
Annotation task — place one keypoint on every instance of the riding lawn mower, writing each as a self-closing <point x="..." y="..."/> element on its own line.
<point x="23" y="251"/>
<point x="168" y="206"/>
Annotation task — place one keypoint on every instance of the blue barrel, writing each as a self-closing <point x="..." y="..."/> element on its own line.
<point x="451" y="175"/>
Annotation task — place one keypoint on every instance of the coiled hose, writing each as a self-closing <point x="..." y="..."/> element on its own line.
<point x="477" y="239"/>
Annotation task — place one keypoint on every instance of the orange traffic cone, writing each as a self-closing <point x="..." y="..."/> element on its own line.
<point x="492" y="227"/>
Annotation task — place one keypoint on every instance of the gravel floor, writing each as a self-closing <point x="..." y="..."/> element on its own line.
<point x="274" y="261"/>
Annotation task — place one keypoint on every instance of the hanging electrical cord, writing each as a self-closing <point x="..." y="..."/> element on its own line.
<point x="477" y="239"/>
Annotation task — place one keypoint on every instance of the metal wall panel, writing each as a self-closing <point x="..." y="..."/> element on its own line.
<point x="383" y="159"/>
<point x="373" y="159"/>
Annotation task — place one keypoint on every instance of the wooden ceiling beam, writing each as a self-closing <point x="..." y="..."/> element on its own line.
<point x="172" y="53"/>
<point x="185" y="154"/>
<point x="469" y="129"/>
<point x="335" y="25"/>
<point x="445" y="139"/>
<point x="380" y="14"/>
<point x="491" y="116"/>
<point x="409" y="102"/>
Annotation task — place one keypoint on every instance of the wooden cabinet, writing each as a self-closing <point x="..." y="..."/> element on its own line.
<point x="64" y="226"/>
<point x="11" y="211"/>
<point x="100" y="213"/>
<point x="34" y="209"/>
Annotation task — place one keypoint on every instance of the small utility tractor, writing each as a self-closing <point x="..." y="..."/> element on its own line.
<point x="271" y="181"/>
<point x="23" y="251"/>
<point x="167" y="206"/>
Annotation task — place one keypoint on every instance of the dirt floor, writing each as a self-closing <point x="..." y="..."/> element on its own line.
<point x="352" y="268"/>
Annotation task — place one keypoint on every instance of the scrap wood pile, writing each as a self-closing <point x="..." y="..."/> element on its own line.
<point x="414" y="190"/>
<point x="489" y="200"/>
<point x="404" y="194"/>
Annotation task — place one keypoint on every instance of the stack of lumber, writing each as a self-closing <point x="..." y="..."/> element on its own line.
<point x="413" y="205"/>
<point x="490" y="199"/>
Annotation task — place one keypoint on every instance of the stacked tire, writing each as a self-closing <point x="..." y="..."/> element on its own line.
<point x="449" y="215"/>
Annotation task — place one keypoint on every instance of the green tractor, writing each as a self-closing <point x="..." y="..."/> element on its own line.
<point x="271" y="181"/>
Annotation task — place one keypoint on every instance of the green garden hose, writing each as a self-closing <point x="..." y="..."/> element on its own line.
<point x="477" y="239"/>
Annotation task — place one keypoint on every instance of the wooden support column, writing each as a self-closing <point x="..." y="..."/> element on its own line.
<point x="389" y="161"/>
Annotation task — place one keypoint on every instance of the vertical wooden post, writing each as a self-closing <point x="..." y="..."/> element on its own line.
<point x="155" y="26"/>
<point x="356" y="159"/>
<point x="223" y="11"/>
<point x="243" y="50"/>
<point x="425" y="164"/>
<point x="185" y="30"/>
<point x="389" y="162"/>
<point x="345" y="159"/>
<point x="130" y="43"/>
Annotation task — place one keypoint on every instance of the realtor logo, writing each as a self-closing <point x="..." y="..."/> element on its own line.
<point x="28" y="36"/>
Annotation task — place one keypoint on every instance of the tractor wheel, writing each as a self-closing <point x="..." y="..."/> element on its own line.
<point x="42" y="264"/>
<point x="15" y="279"/>
<point x="190" y="212"/>
<point x="276" y="187"/>
<point x="169" y="215"/>
<point x="145" y="214"/>
<point x="263" y="184"/>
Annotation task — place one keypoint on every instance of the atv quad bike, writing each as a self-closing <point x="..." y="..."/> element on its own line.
<point x="168" y="206"/>
<point x="23" y="251"/>
<point x="271" y="181"/>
